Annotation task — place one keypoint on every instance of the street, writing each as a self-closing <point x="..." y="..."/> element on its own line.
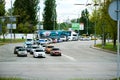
<point x="78" y="61"/>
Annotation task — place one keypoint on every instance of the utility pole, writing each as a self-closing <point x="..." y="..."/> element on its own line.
<point x="11" y="21"/>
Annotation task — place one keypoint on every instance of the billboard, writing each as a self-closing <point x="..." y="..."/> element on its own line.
<point x="75" y="26"/>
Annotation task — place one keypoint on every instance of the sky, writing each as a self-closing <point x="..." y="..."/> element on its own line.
<point x="66" y="9"/>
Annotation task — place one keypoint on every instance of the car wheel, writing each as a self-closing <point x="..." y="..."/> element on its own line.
<point x="60" y="55"/>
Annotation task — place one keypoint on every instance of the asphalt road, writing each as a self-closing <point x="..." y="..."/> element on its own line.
<point x="78" y="61"/>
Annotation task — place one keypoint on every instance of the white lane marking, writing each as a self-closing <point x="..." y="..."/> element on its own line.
<point x="69" y="57"/>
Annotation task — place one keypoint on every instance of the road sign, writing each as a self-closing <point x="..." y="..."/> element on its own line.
<point x="11" y="26"/>
<point x="114" y="10"/>
<point x="81" y="26"/>
<point x="75" y="26"/>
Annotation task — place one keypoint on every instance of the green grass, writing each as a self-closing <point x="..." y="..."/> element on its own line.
<point x="6" y="41"/>
<point x="108" y="46"/>
<point x="3" y="78"/>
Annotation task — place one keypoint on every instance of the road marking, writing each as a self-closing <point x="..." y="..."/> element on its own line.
<point x="69" y="57"/>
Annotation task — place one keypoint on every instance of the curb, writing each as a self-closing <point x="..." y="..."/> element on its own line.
<point x="113" y="52"/>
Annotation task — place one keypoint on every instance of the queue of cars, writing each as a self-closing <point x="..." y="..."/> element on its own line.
<point x="36" y="49"/>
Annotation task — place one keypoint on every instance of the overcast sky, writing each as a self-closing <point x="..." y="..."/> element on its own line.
<point x="66" y="9"/>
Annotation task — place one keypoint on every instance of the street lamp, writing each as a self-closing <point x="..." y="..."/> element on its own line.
<point x="11" y="21"/>
<point x="95" y="18"/>
<point x="95" y="23"/>
<point x="87" y="15"/>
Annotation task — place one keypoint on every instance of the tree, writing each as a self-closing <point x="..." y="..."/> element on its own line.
<point x="2" y="7"/>
<point x="85" y="20"/>
<point x="49" y="15"/>
<point x="27" y="10"/>
<point x="105" y="25"/>
<point x="2" y="13"/>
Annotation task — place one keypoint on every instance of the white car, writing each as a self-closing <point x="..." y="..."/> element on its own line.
<point x="29" y="41"/>
<point x="22" y="52"/>
<point x="43" y="41"/>
<point x="34" y="47"/>
<point x="39" y="53"/>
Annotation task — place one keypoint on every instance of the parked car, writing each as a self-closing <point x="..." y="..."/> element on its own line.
<point x="22" y="52"/>
<point x="16" y="49"/>
<point x="48" y="48"/>
<point x="33" y="48"/>
<point x="55" y="52"/>
<point x="39" y="53"/>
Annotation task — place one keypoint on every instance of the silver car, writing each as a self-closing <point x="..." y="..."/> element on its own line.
<point x="22" y="52"/>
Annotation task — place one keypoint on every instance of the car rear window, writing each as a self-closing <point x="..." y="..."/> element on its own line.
<point x="55" y="49"/>
<point x="21" y="49"/>
<point x="39" y="50"/>
<point x="50" y="46"/>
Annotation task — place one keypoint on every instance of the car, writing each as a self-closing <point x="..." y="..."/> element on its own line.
<point x="44" y="46"/>
<point x="63" y="38"/>
<point x="22" y="52"/>
<point x="55" y="52"/>
<point x="43" y="41"/>
<point x="33" y="48"/>
<point x="29" y="41"/>
<point x="48" y="48"/>
<point x="16" y="49"/>
<point x="39" y="53"/>
<point x="28" y="47"/>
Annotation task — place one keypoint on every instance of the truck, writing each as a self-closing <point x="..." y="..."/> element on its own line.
<point x="63" y="35"/>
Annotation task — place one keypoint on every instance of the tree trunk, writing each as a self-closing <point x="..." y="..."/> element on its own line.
<point x="114" y="41"/>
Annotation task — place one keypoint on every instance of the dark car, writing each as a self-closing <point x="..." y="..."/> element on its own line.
<point x="28" y="47"/>
<point x="16" y="49"/>
<point x="55" y="52"/>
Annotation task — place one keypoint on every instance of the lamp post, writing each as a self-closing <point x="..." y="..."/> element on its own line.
<point x="95" y="23"/>
<point x="11" y="21"/>
<point x="87" y="15"/>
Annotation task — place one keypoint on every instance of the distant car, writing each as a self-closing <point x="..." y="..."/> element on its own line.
<point x="48" y="48"/>
<point x="29" y="41"/>
<point x="63" y="38"/>
<point x="16" y="49"/>
<point x="28" y="47"/>
<point x="49" y="40"/>
<point x="55" y="52"/>
<point x="39" y="53"/>
<point x="43" y="41"/>
<point x="22" y="52"/>
<point x="33" y="48"/>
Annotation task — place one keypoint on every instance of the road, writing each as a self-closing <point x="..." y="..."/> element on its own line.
<point x="78" y="61"/>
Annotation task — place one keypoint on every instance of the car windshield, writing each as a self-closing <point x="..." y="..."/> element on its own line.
<point x="34" y="47"/>
<point x="18" y="47"/>
<point x="39" y="50"/>
<point x="29" y="39"/>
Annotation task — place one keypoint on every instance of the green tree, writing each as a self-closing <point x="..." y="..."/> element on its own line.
<point x="27" y="10"/>
<point x="2" y="14"/>
<point x="85" y="20"/>
<point x="105" y="25"/>
<point x="49" y="15"/>
<point x="2" y="7"/>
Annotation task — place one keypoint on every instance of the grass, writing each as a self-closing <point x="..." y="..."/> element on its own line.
<point x="6" y="41"/>
<point x="3" y="78"/>
<point x="108" y="46"/>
